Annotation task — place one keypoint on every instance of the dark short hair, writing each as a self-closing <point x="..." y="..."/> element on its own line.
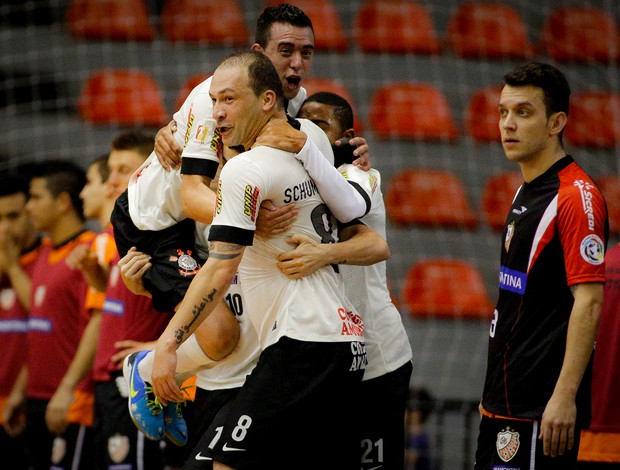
<point x="549" y="79"/>
<point x="12" y="182"/>
<point x="283" y="13"/>
<point x="101" y="163"/>
<point x="262" y="74"/>
<point x="137" y="140"/>
<point x="62" y="176"/>
<point x="342" y="109"/>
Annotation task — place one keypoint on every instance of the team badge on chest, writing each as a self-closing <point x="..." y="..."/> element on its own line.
<point x="510" y="231"/>
<point x="507" y="444"/>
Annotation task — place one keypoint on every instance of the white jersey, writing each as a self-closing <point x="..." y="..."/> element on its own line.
<point x="154" y="194"/>
<point x="387" y="343"/>
<point x="231" y="371"/>
<point x="309" y="309"/>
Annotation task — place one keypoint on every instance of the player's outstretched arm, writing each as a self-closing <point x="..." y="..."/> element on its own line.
<point x="205" y="293"/>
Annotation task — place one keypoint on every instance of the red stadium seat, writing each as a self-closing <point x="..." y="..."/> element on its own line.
<point x="206" y="21"/>
<point x="497" y="196"/>
<point x="610" y="188"/>
<point x="326" y="22"/>
<point x="488" y="30"/>
<point x="122" y="97"/>
<point x="189" y="84"/>
<point x="428" y="197"/>
<point x="110" y="19"/>
<point x="316" y="84"/>
<point x="581" y="34"/>
<point x="594" y="119"/>
<point x="413" y="111"/>
<point x="482" y="117"/>
<point x="446" y="288"/>
<point x="395" y="27"/>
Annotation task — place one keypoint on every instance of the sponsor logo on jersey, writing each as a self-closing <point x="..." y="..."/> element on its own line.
<point x="190" y="123"/>
<point x="42" y="325"/>
<point x="513" y="281"/>
<point x="250" y="199"/>
<point x="13" y="326"/>
<point x="507" y="444"/>
<point x="216" y="142"/>
<point x="118" y="448"/>
<point x="300" y="191"/>
<point x="188" y="266"/>
<point x="374" y="182"/>
<point x="114" y="307"/>
<point x="592" y="249"/>
<point x="218" y="199"/>
<point x="227" y="448"/>
<point x="585" y="189"/>
<point x="360" y="359"/>
<point x="352" y="324"/>
<point x="510" y="231"/>
<point x="519" y="211"/>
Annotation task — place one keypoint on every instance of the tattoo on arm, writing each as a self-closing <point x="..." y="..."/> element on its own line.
<point x="180" y="334"/>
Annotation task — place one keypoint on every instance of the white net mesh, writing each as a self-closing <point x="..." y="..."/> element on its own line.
<point x="44" y="70"/>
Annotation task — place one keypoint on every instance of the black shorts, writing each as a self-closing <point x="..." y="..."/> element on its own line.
<point x="507" y="444"/>
<point x="382" y="429"/>
<point x="297" y="409"/>
<point x="211" y="407"/>
<point x="172" y="252"/>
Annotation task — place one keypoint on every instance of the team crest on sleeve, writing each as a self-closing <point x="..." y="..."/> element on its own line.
<point x="507" y="444"/>
<point x="250" y="200"/>
<point x="592" y="249"/>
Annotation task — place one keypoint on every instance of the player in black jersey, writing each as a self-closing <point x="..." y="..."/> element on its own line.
<point x="536" y="393"/>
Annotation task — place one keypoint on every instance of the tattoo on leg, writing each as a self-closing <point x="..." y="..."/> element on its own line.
<point x="181" y="333"/>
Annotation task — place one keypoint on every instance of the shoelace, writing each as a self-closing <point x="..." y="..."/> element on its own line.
<point x="153" y="404"/>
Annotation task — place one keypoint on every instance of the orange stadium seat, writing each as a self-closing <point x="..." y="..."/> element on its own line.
<point x="497" y="196"/>
<point x="192" y="82"/>
<point x="594" y="119"/>
<point x="488" y="30"/>
<point x="210" y="21"/>
<point x="415" y="111"/>
<point x="428" y="197"/>
<point x="326" y="22"/>
<point x="316" y="84"/>
<point x="110" y="19"/>
<point x="581" y="34"/>
<point x="395" y="26"/>
<point x="482" y="117"/>
<point x="446" y="288"/>
<point x="610" y="188"/>
<point x="122" y="97"/>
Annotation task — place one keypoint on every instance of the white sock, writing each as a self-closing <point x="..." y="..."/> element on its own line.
<point x="190" y="358"/>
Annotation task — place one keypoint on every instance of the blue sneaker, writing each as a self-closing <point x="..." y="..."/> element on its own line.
<point x="144" y="407"/>
<point x="175" y="427"/>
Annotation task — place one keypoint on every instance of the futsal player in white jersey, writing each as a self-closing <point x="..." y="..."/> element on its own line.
<point x="385" y="385"/>
<point x="312" y="339"/>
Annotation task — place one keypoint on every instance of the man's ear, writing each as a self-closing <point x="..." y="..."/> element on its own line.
<point x="269" y="99"/>
<point x="256" y="47"/>
<point x="349" y="133"/>
<point x="557" y="122"/>
<point x="64" y="201"/>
